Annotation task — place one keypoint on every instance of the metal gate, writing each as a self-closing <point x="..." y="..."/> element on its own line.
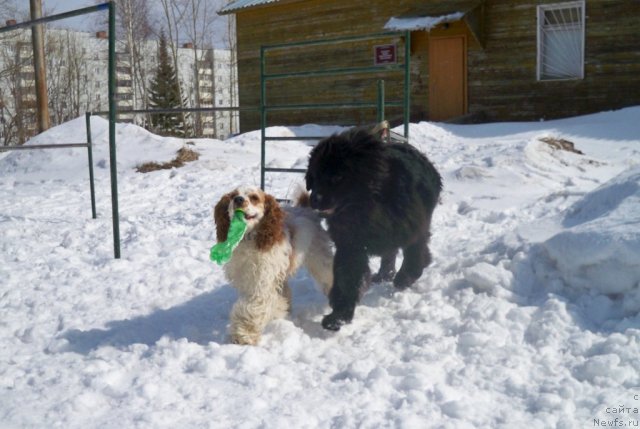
<point x="380" y="104"/>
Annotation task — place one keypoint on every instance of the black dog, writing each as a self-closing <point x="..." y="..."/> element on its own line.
<point x="378" y="197"/>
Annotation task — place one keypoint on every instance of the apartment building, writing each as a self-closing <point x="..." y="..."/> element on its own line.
<point x="77" y="81"/>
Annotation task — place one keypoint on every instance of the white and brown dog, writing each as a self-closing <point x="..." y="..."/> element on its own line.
<point x="278" y="240"/>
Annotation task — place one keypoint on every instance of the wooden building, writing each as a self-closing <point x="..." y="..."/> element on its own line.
<point x="481" y="60"/>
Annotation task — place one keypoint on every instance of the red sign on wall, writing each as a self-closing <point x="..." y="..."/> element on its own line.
<point x="384" y="54"/>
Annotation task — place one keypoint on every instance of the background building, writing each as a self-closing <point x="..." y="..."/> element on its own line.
<point x="77" y="82"/>
<point x="481" y="60"/>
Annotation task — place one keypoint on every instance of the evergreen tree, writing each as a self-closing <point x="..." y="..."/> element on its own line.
<point x="164" y="93"/>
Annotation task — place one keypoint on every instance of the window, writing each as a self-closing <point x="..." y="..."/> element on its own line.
<point x="561" y="41"/>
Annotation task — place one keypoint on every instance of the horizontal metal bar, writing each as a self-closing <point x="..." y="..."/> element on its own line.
<point x="328" y="106"/>
<point x="286" y="170"/>
<point x="337" y="72"/>
<point x="334" y="40"/>
<point x="319" y="106"/>
<point x="249" y="109"/>
<point x="56" y="17"/>
<point x="184" y="110"/>
<point x="295" y="138"/>
<point x="43" y="146"/>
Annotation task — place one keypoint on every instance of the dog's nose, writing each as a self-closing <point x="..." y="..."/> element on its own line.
<point x="238" y="200"/>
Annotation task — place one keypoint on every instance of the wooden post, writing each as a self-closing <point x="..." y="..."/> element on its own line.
<point x="37" y="38"/>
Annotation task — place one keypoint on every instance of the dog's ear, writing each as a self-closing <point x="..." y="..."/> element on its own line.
<point x="221" y="216"/>
<point x="270" y="230"/>
<point x="308" y="176"/>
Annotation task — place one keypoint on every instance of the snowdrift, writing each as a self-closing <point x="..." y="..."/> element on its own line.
<point x="598" y="248"/>
<point x="527" y="317"/>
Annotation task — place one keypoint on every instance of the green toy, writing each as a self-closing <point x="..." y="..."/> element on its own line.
<point x="221" y="252"/>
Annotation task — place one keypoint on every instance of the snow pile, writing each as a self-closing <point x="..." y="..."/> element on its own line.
<point x="421" y="23"/>
<point x="598" y="249"/>
<point x="527" y="317"/>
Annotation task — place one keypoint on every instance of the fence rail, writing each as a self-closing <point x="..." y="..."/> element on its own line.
<point x="110" y="8"/>
<point x="379" y="105"/>
<point x="177" y="110"/>
<point x="43" y="146"/>
<point x="87" y="145"/>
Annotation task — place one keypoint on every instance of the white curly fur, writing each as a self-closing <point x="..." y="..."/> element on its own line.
<point x="260" y="276"/>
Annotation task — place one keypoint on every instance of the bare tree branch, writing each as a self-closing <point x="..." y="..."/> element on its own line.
<point x="175" y="12"/>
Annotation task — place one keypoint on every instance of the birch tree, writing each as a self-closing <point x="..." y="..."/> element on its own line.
<point x="134" y="18"/>
<point x="134" y="27"/>
<point x="174" y="13"/>
<point x="10" y="119"/>
<point x="67" y="86"/>
<point x="201" y="20"/>
<point x="231" y="46"/>
<point x="8" y="78"/>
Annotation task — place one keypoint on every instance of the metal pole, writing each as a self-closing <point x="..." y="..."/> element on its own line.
<point x="336" y="72"/>
<point x="263" y="118"/>
<point x="37" y="39"/>
<point x="380" y="101"/>
<point x="58" y="17"/>
<point x="112" y="130"/>
<point x="192" y="109"/>
<point x="42" y="146"/>
<point x="90" y="156"/>
<point x="407" y="82"/>
<point x="333" y="41"/>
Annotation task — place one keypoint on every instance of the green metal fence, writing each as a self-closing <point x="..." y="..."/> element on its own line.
<point x="112" y="114"/>
<point x="110" y="7"/>
<point x="264" y="108"/>
<point x="379" y="105"/>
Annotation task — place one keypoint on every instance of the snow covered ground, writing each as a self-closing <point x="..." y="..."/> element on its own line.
<point x="528" y="316"/>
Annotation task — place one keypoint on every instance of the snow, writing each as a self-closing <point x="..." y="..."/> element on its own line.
<point x="420" y="23"/>
<point x="598" y="246"/>
<point x="528" y="316"/>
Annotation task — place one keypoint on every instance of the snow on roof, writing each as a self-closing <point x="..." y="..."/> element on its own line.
<point x="421" y="23"/>
<point x="243" y="4"/>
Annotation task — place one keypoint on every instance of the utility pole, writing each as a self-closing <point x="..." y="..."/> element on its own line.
<point x="37" y="39"/>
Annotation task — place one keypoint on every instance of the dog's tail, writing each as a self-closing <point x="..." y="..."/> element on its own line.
<point x="302" y="198"/>
<point x="299" y="197"/>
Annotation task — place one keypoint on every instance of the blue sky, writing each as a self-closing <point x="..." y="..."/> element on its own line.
<point x="64" y="5"/>
<point x="59" y="6"/>
<point x="88" y="22"/>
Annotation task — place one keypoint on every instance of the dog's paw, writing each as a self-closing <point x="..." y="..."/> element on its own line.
<point x="334" y="322"/>
<point x="403" y="281"/>
<point x="244" y="340"/>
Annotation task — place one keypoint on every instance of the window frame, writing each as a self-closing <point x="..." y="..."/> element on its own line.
<point x="540" y="14"/>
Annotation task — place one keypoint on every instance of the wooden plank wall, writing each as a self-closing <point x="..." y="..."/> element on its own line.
<point x="293" y="21"/>
<point x="501" y="76"/>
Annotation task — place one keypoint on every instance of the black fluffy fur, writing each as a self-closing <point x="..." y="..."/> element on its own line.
<point x="378" y="197"/>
